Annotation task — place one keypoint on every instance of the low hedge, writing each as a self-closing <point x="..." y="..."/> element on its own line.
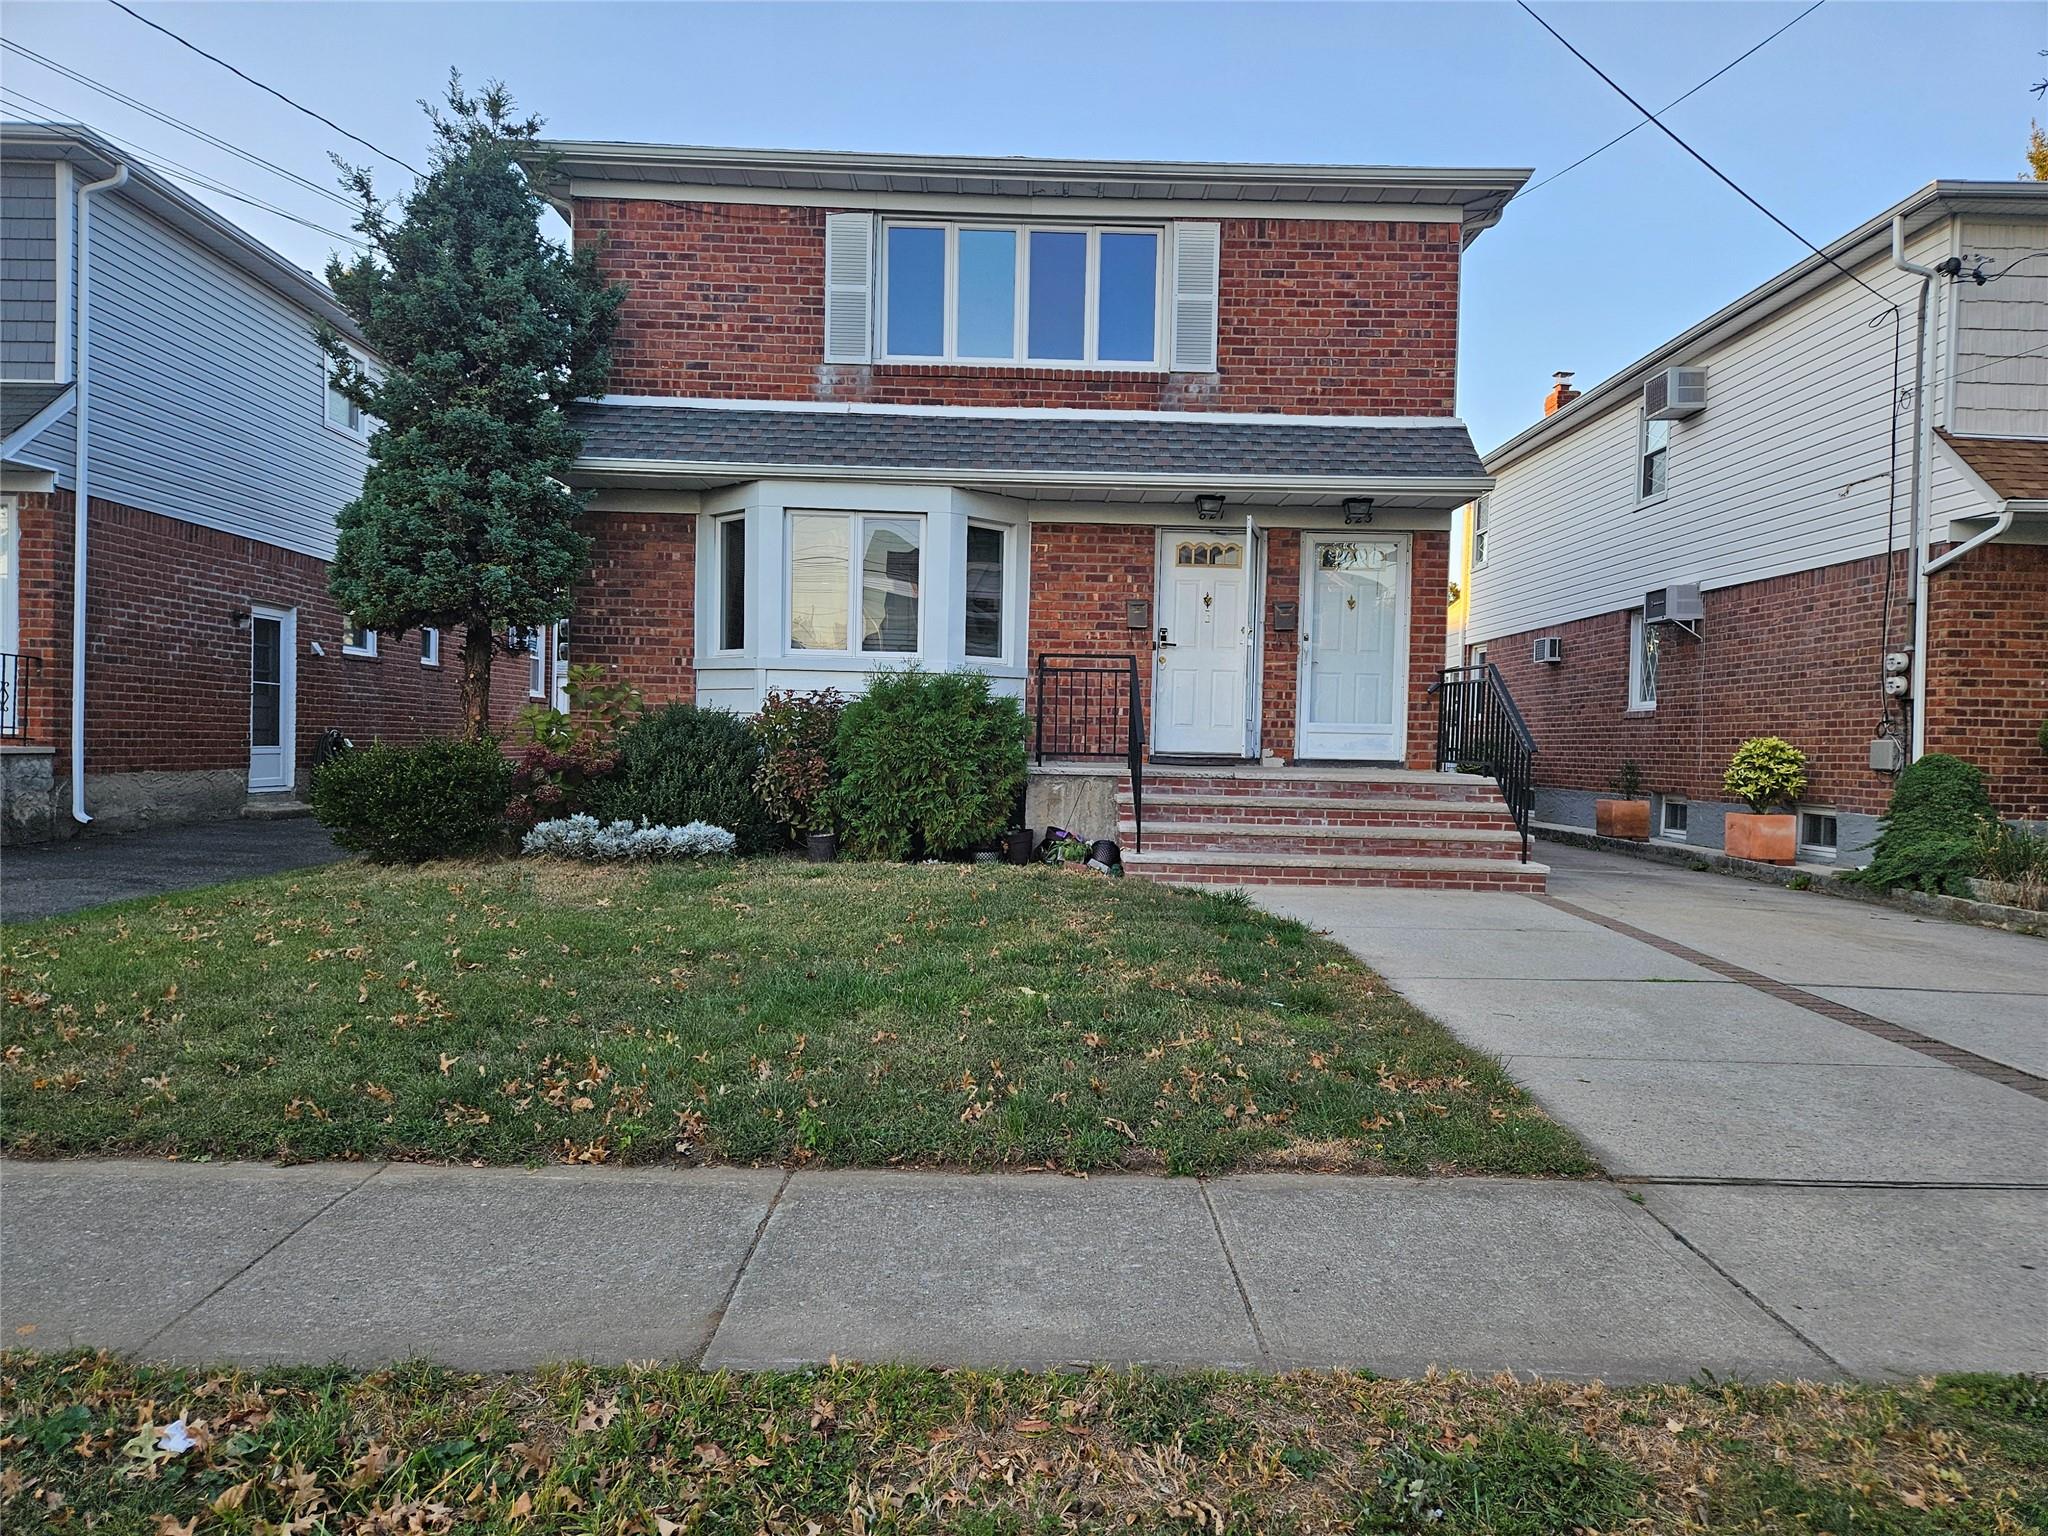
<point x="683" y="764"/>
<point x="399" y="805"/>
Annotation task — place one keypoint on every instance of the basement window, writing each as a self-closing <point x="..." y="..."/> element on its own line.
<point x="1818" y="834"/>
<point x="1673" y="822"/>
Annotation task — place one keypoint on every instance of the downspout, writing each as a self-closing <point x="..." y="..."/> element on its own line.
<point x="1922" y="423"/>
<point x="1999" y="525"/>
<point x="81" y="480"/>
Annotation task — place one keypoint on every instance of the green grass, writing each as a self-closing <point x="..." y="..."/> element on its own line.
<point x="665" y="1450"/>
<point x="858" y="1015"/>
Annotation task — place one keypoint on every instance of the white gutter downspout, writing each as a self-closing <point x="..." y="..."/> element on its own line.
<point x="1998" y="526"/>
<point x="1922" y="425"/>
<point x="81" y="476"/>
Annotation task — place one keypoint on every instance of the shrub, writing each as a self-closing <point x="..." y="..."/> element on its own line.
<point x="928" y="763"/>
<point x="2013" y="864"/>
<point x="794" y="778"/>
<point x="437" y="800"/>
<point x="1627" y="781"/>
<point x="585" y="837"/>
<point x="564" y="757"/>
<point x="1933" y="832"/>
<point x="1766" y="771"/>
<point x="683" y="764"/>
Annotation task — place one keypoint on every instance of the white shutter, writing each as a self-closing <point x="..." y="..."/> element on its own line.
<point x="849" y="287"/>
<point x="1197" y="258"/>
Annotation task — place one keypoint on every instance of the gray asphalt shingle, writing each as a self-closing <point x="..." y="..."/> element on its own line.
<point x="20" y="403"/>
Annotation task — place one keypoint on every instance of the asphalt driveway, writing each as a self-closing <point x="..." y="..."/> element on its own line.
<point x="49" y="879"/>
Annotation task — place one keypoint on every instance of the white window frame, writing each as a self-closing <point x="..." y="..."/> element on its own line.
<point x="1005" y="627"/>
<point x="1480" y="509"/>
<point x="1813" y="850"/>
<point x="430" y="646"/>
<point x="1020" y="319"/>
<point x="558" y="667"/>
<point x="718" y="605"/>
<point x="855" y="542"/>
<point x="1664" y="810"/>
<point x="365" y="643"/>
<point x="1642" y="669"/>
<point x="1643" y="424"/>
<point x="358" y="426"/>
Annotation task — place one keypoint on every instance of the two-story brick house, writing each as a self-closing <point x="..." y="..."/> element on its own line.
<point x="1194" y="421"/>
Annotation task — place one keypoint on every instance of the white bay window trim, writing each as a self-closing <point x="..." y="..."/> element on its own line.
<point x="858" y="529"/>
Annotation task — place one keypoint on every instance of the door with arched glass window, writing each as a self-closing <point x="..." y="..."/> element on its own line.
<point x="1201" y="645"/>
<point x="1354" y="643"/>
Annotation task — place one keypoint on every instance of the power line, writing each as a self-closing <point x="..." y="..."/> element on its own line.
<point x="1993" y="362"/>
<point x="1723" y="176"/>
<point x="168" y="120"/>
<point x="273" y="90"/>
<point x="1717" y="74"/>
<point x="169" y="167"/>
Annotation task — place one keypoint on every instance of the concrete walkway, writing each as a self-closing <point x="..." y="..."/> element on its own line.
<point x="49" y="879"/>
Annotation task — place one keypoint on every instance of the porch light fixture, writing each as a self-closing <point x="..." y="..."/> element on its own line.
<point x="1209" y="508"/>
<point x="242" y="619"/>
<point x="1357" y="511"/>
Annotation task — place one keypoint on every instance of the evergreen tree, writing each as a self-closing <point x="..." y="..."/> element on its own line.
<point x="484" y="331"/>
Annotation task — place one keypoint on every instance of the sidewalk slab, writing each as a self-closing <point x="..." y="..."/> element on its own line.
<point x="1575" y="951"/>
<point x="1023" y="1270"/>
<point x="493" y="1269"/>
<point x="1894" y="1281"/>
<point x="2008" y="1027"/>
<point x="110" y="1253"/>
<point x="1560" y="1279"/>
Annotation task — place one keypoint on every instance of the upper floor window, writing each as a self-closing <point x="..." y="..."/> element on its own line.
<point x="1006" y="294"/>
<point x="343" y="414"/>
<point x="1653" y="454"/>
<point x="1481" y="510"/>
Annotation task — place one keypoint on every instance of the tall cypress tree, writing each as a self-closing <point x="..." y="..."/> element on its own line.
<point x="484" y="331"/>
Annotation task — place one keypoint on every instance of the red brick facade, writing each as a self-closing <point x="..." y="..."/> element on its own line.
<point x="728" y="300"/>
<point x="635" y="612"/>
<point x="1797" y="656"/>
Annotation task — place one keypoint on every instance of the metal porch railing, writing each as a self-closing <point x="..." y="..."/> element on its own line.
<point x="1089" y="707"/>
<point x="1479" y="730"/>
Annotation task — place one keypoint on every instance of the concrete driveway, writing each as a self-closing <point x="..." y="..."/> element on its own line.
<point x="1841" y="1106"/>
<point x="49" y="879"/>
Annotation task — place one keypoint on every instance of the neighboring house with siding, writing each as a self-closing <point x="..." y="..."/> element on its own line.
<point x="217" y="459"/>
<point x="1184" y="434"/>
<point x="1786" y="498"/>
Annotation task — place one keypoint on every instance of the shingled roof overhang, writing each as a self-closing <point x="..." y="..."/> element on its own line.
<point x="1166" y="455"/>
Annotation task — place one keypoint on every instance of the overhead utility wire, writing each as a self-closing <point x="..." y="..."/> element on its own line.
<point x="159" y="162"/>
<point x="273" y="90"/>
<point x="168" y="120"/>
<point x="1724" y="177"/>
<point x="1633" y="127"/>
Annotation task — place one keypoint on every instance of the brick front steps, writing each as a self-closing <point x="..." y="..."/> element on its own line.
<point x="1326" y="826"/>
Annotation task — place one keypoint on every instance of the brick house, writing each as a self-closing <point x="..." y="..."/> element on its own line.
<point x="214" y="458"/>
<point x="1102" y="430"/>
<point x="1767" y="457"/>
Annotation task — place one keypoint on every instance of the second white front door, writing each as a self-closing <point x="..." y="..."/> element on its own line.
<point x="1354" y="642"/>
<point x="1202" y="645"/>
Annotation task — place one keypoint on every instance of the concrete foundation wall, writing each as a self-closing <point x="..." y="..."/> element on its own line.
<point x="1854" y="831"/>
<point x="1082" y="800"/>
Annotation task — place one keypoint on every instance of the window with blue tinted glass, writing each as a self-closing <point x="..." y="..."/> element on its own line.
<point x="1058" y="314"/>
<point x="986" y="322"/>
<point x="1127" y="298"/>
<point x="916" y="324"/>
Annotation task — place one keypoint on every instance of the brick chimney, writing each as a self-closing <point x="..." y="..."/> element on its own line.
<point x="1561" y="394"/>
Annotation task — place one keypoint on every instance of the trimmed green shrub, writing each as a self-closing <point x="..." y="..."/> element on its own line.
<point x="1932" y="836"/>
<point x="794" y="780"/>
<point x="683" y="764"/>
<point x="928" y="764"/>
<point x="1766" y="772"/>
<point x="437" y="800"/>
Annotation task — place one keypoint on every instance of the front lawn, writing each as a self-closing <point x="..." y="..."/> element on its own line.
<point x="769" y="1011"/>
<point x="94" y="1443"/>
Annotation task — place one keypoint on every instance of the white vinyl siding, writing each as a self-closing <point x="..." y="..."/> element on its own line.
<point x="1784" y="471"/>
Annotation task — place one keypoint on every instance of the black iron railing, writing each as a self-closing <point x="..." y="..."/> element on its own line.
<point x="1479" y="730"/>
<point x="1088" y="706"/>
<point x="14" y="674"/>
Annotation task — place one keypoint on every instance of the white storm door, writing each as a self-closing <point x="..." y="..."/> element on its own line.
<point x="273" y="698"/>
<point x="1354" y="640"/>
<point x="1198" y="680"/>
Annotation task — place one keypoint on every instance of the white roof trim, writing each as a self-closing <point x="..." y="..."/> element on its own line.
<point x="1032" y="412"/>
<point x="41" y="422"/>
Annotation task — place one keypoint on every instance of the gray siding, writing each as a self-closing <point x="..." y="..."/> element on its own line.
<point x="28" y="270"/>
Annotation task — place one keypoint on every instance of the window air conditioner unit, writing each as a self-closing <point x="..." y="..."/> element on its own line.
<point x="1678" y="603"/>
<point x="1675" y="394"/>
<point x="1547" y="648"/>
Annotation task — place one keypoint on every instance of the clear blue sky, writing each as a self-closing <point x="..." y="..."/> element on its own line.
<point x="1844" y="114"/>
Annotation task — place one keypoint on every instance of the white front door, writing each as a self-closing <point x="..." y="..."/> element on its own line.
<point x="1354" y="641"/>
<point x="1201" y="645"/>
<point x="273" y="698"/>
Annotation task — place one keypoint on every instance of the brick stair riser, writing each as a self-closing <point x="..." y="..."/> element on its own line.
<point x="1222" y="840"/>
<point x="1509" y="878"/>
<point x="1257" y="813"/>
<point x="1357" y="791"/>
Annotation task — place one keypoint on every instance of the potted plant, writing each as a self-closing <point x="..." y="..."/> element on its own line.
<point x="1629" y="815"/>
<point x="1767" y="774"/>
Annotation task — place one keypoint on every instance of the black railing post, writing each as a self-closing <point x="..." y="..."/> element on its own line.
<point x="1477" y="723"/>
<point x="1076" y="717"/>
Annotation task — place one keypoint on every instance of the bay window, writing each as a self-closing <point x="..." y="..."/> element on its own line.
<point x="856" y="583"/>
<point x="986" y="578"/>
<point x="732" y="583"/>
<point x="1045" y="296"/>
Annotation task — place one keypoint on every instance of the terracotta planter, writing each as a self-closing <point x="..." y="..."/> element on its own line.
<point x="1761" y="839"/>
<point x="1622" y="818"/>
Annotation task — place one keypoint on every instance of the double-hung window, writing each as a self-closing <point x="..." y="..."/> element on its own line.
<point x="1046" y="296"/>
<point x="343" y="414"/>
<point x="856" y="583"/>
<point x="1482" y="509"/>
<point x="1653" y="458"/>
<point x="1642" y="663"/>
<point x="987" y="578"/>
